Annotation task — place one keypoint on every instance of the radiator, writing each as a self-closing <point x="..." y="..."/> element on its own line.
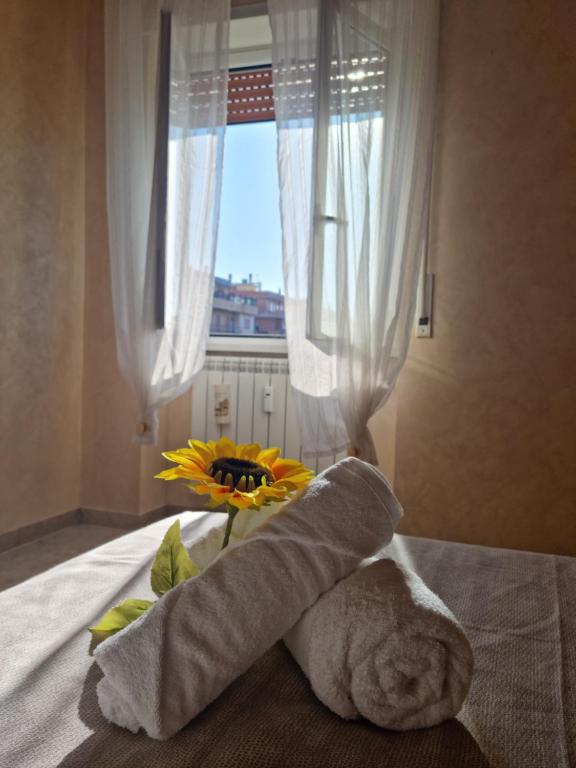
<point x="237" y="410"/>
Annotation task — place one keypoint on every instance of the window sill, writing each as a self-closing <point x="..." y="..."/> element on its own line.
<point x="247" y="346"/>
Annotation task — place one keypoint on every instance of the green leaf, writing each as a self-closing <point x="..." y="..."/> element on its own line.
<point x="172" y="563"/>
<point x="119" y="617"/>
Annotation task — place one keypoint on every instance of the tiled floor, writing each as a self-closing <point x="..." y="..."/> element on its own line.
<point x="27" y="560"/>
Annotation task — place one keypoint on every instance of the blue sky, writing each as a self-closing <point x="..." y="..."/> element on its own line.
<point x="249" y="236"/>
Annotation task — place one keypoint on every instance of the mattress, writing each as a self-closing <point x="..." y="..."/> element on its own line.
<point x="518" y="609"/>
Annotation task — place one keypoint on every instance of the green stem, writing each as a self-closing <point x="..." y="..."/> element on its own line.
<point x="232" y="512"/>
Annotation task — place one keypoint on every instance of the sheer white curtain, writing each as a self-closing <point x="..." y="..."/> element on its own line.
<point x="163" y="205"/>
<point x="354" y="88"/>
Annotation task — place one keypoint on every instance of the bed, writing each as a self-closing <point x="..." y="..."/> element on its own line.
<point x="518" y="609"/>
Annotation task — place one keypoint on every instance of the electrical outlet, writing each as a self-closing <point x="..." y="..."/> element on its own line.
<point x="222" y="404"/>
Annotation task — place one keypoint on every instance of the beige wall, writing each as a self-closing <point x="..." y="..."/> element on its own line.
<point x="117" y="474"/>
<point x="485" y="413"/>
<point x="42" y="47"/>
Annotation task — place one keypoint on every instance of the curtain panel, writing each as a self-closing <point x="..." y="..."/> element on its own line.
<point x="166" y="92"/>
<point x="354" y="84"/>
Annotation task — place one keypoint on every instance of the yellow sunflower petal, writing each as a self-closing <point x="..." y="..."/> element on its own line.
<point x="289" y="487"/>
<point x="186" y="473"/>
<point x="186" y="459"/>
<point x="265" y="492"/>
<point x="169" y="474"/>
<point x="218" y="493"/>
<point x="194" y="459"/>
<point x="197" y="477"/>
<point x="285" y="467"/>
<point x="225" y="448"/>
<point x="193" y="471"/>
<point x="203" y="490"/>
<point x="241" y="500"/>
<point x="295" y="479"/>
<point x="268" y="456"/>
<point x="205" y="452"/>
<point x="248" y="451"/>
<point x="217" y="489"/>
<point x="199" y="488"/>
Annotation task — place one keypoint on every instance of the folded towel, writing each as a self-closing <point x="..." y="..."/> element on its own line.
<point x="381" y="645"/>
<point x="167" y="666"/>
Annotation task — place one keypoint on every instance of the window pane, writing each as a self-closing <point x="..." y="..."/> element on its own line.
<point x="248" y="295"/>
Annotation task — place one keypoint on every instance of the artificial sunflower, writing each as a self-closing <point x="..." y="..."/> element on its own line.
<point x="240" y="476"/>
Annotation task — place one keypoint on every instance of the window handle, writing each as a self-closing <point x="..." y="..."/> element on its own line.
<point x="322" y="218"/>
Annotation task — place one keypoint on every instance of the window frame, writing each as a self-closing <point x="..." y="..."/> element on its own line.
<point x="252" y="346"/>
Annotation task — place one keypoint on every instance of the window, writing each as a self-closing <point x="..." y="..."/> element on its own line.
<point x="248" y="285"/>
<point x="249" y="255"/>
<point x="248" y="298"/>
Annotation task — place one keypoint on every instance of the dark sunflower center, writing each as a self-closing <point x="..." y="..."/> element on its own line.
<point x="240" y="472"/>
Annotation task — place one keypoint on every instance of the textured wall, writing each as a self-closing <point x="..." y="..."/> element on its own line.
<point x="485" y="445"/>
<point x="117" y="474"/>
<point x="41" y="257"/>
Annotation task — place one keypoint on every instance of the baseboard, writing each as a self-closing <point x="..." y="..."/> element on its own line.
<point x="85" y="516"/>
<point x="33" y="531"/>
<point x="124" y="519"/>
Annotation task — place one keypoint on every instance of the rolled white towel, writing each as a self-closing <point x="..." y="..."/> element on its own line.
<point x="167" y="666"/>
<point x="381" y="645"/>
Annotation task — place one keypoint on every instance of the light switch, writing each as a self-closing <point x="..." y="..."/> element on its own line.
<point x="423" y="329"/>
<point x="268" y="404"/>
<point x="425" y="303"/>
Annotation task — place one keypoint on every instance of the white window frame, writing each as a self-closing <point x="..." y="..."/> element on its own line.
<point x="252" y="346"/>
